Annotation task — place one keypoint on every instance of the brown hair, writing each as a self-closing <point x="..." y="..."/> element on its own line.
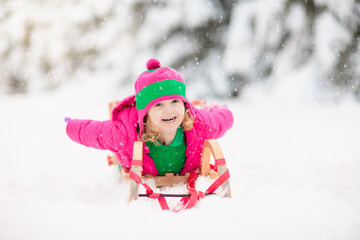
<point x="152" y="133"/>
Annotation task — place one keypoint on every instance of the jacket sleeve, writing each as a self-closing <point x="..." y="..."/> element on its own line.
<point x="214" y="123"/>
<point x="97" y="134"/>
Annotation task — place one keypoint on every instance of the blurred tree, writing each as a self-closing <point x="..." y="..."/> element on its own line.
<point x="220" y="46"/>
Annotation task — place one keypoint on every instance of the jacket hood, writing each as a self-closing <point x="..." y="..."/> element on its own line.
<point x="127" y="103"/>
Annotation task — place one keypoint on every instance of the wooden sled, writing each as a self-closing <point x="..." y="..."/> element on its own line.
<point x="210" y="147"/>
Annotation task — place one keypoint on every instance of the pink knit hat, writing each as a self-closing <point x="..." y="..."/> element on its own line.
<point x="155" y="85"/>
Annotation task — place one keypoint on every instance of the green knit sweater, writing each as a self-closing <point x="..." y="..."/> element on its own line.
<point x="171" y="158"/>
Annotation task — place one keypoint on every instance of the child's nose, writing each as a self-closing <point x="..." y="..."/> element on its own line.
<point x="168" y="108"/>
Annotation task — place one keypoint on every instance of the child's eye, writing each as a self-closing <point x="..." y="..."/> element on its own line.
<point x="158" y="105"/>
<point x="175" y="101"/>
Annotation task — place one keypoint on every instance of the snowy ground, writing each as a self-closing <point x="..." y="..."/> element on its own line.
<point x="295" y="174"/>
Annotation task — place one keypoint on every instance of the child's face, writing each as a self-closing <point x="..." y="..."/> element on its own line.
<point x="167" y="115"/>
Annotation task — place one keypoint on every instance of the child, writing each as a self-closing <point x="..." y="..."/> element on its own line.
<point x="160" y="115"/>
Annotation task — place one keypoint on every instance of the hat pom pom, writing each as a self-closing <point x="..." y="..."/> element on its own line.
<point x="153" y="64"/>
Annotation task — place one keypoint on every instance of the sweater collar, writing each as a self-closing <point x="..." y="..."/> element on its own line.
<point x="178" y="140"/>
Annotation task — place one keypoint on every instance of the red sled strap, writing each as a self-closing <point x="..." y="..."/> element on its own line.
<point x="161" y="200"/>
<point x="195" y="196"/>
<point x="185" y="202"/>
<point x="218" y="182"/>
<point x="218" y="162"/>
<point x="189" y="202"/>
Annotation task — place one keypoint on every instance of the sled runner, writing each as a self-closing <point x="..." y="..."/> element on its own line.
<point x="217" y="172"/>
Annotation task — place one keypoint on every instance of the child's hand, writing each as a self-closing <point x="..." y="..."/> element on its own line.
<point x="67" y="119"/>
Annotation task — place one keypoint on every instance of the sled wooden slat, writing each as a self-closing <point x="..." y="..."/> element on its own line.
<point x="226" y="185"/>
<point x="170" y="179"/>
<point x="137" y="155"/>
<point x="211" y="146"/>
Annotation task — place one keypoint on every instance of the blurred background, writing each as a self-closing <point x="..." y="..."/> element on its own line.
<point x="301" y="50"/>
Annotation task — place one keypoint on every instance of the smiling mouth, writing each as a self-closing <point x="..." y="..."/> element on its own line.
<point x="169" y="120"/>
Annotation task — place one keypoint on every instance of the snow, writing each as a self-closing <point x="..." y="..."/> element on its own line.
<point x="346" y="11"/>
<point x="331" y="42"/>
<point x="158" y="23"/>
<point x="254" y="26"/>
<point x="198" y="12"/>
<point x="47" y="43"/>
<point x="295" y="174"/>
<point x="178" y="45"/>
<point x="293" y="152"/>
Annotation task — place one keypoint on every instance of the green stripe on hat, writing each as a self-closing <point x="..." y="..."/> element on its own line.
<point x="159" y="89"/>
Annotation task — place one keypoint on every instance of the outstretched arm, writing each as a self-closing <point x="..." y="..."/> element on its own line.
<point x="97" y="134"/>
<point x="215" y="121"/>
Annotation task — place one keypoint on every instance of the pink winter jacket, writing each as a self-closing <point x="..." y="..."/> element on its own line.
<point x="118" y="135"/>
